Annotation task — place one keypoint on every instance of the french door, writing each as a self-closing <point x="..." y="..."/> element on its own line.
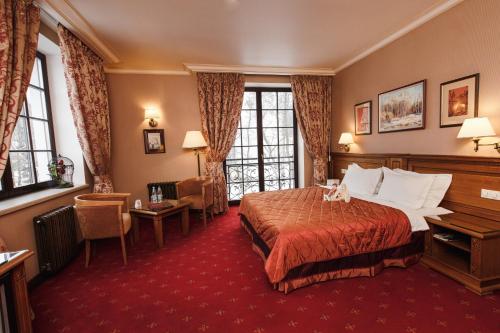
<point x="264" y="154"/>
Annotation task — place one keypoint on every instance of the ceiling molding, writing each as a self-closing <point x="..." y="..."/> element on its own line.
<point x="63" y="12"/>
<point x="439" y="9"/>
<point x="259" y="70"/>
<point x="145" y="71"/>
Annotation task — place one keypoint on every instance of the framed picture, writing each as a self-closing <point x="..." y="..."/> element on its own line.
<point x="459" y="100"/>
<point x="402" y="109"/>
<point x="154" y="141"/>
<point x="363" y="118"/>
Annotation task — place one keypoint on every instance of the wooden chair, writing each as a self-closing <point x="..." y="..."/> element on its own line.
<point x="200" y="192"/>
<point x="103" y="215"/>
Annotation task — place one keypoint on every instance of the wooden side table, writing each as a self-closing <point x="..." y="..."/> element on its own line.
<point x="157" y="217"/>
<point x="15" y="267"/>
<point x="471" y="256"/>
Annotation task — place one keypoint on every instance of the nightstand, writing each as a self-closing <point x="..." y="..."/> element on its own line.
<point x="466" y="248"/>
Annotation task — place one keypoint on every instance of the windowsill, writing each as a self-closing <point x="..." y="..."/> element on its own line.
<point x="12" y="205"/>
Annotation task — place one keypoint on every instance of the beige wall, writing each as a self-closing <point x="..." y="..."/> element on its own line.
<point x="462" y="41"/>
<point x="176" y="98"/>
<point x="17" y="228"/>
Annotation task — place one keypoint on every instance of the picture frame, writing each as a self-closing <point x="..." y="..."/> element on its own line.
<point x="459" y="100"/>
<point x="154" y="141"/>
<point x="363" y="118"/>
<point x="403" y="108"/>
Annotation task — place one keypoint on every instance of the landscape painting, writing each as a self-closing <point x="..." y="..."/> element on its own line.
<point x="402" y="109"/>
<point x="363" y="118"/>
<point x="459" y="99"/>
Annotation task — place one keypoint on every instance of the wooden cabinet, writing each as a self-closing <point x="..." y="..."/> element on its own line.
<point x="14" y="267"/>
<point x="471" y="253"/>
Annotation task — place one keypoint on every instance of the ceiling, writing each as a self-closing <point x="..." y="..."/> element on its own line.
<point x="164" y="34"/>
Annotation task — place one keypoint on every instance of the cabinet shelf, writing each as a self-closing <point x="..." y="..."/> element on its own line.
<point x="459" y="243"/>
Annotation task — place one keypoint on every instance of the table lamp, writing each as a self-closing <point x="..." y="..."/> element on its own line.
<point x="194" y="140"/>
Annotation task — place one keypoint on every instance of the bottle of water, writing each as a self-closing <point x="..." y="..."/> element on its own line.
<point x="159" y="194"/>
<point x="153" y="195"/>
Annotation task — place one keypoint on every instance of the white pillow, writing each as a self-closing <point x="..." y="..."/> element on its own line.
<point x="440" y="184"/>
<point x="404" y="189"/>
<point x="362" y="181"/>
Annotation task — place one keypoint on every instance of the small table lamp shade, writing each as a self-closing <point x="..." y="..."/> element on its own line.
<point x="476" y="128"/>
<point x="346" y="139"/>
<point x="194" y="139"/>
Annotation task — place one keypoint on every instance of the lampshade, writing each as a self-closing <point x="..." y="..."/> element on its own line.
<point x="194" y="139"/>
<point x="346" y="139"/>
<point x="151" y="114"/>
<point x="476" y="128"/>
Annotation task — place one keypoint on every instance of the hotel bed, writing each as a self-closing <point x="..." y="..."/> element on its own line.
<point x="304" y="239"/>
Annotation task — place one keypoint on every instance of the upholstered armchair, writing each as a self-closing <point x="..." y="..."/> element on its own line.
<point x="103" y="215"/>
<point x="200" y="192"/>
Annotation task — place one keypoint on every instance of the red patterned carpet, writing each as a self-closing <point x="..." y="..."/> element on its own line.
<point x="211" y="281"/>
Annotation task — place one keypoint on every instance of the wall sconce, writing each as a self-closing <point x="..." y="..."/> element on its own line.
<point x="477" y="128"/>
<point x="346" y="141"/>
<point x="152" y="115"/>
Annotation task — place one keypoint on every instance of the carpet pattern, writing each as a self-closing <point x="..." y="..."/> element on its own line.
<point x="212" y="281"/>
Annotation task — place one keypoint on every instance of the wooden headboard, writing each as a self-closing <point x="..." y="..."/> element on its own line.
<point x="470" y="175"/>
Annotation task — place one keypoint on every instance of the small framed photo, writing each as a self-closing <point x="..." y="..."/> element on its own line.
<point x="154" y="141"/>
<point x="402" y="109"/>
<point x="363" y="118"/>
<point x="459" y="100"/>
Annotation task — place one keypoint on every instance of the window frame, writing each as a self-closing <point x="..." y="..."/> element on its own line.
<point x="8" y="190"/>
<point x="260" y="143"/>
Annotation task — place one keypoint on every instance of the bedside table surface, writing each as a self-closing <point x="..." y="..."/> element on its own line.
<point x="464" y="222"/>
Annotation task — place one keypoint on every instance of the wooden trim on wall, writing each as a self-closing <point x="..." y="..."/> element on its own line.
<point x="470" y="175"/>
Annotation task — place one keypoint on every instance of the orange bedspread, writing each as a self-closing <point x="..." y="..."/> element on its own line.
<point x="299" y="227"/>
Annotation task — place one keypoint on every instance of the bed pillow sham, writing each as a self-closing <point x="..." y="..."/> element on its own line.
<point x="440" y="184"/>
<point x="404" y="189"/>
<point x="360" y="180"/>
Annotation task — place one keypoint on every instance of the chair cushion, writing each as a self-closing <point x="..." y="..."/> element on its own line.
<point x="196" y="201"/>
<point x="127" y="222"/>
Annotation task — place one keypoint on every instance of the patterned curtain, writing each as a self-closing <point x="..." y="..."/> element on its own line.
<point x="221" y="99"/>
<point x="313" y="99"/>
<point x="88" y="97"/>
<point x="19" y="25"/>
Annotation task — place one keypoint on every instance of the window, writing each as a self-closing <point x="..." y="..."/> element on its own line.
<point x="32" y="145"/>
<point x="264" y="154"/>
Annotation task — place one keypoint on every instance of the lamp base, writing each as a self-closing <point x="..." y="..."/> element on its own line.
<point x="197" y="153"/>
<point x="346" y="148"/>
<point x="153" y="123"/>
<point x="496" y="146"/>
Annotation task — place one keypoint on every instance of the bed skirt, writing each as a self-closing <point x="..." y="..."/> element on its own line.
<point x="368" y="264"/>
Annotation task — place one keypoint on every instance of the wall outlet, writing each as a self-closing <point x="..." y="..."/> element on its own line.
<point x="343" y="171"/>
<point x="490" y="194"/>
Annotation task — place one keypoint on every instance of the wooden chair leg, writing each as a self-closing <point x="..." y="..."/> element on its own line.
<point x="87" y="252"/>
<point x="204" y="217"/>
<point x="131" y="238"/>
<point x="124" y="249"/>
<point x="212" y="213"/>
